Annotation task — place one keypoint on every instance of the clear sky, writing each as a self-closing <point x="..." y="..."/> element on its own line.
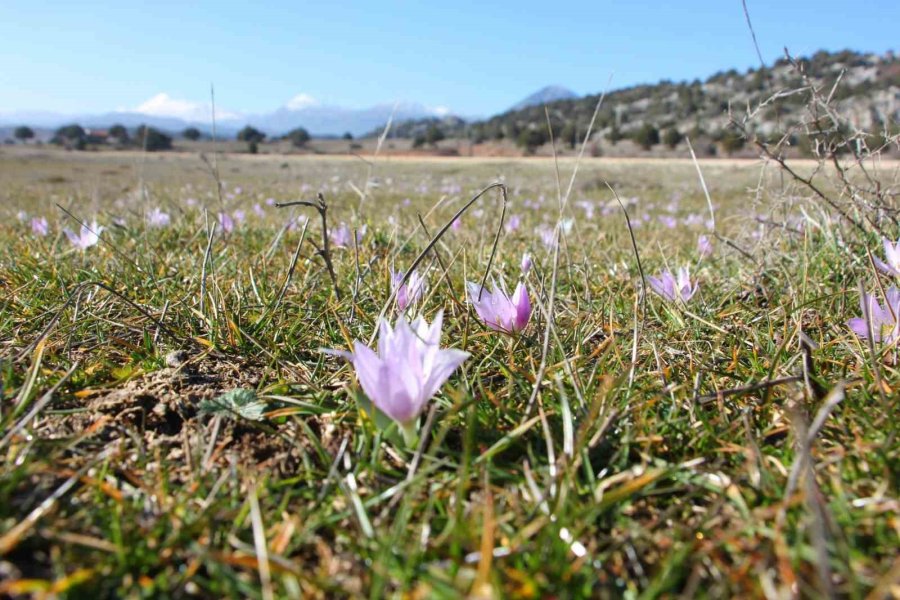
<point x="476" y="58"/>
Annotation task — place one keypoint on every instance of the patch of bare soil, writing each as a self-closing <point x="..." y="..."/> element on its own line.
<point x="157" y="415"/>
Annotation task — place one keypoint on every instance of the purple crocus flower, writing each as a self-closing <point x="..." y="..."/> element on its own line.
<point x="548" y="236"/>
<point x="342" y="237"/>
<point x="39" y="226"/>
<point x="513" y="223"/>
<point x="527" y="263"/>
<point x="408" y="369"/>
<point x="704" y="246"/>
<point x="86" y="237"/>
<point x="499" y="311"/>
<point x="668" y="221"/>
<point x="226" y="222"/>
<point x="158" y="218"/>
<point x="409" y="292"/>
<point x="885" y="326"/>
<point x="673" y="289"/>
<point x="892" y="256"/>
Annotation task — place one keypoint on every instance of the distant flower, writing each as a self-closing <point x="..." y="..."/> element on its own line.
<point x="892" y="255"/>
<point x="158" y="218"/>
<point x="87" y="236"/>
<point x="409" y="292"/>
<point x="885" y="327"/>
<point x="258" y="210"/>
<point x="239" y="215"/>
<point x="39" y="226"/>
<point x="673" y="289"/>
<point x="513" y="223"/>
<point x="527" y="263"/>
<point x="548" y="236"/>
<point x="226" y="222"/>
<point x="499" y="311"/>
<point x="342" y="237"/>
<point x="456" y="225"/>
<point x="704" y="246"/>
<point x="669" y="221"/>
<point x="409" y="368"/>
<point x="22" y="215"/>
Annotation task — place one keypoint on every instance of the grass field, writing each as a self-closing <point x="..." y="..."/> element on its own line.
<point x="740" y="444"/>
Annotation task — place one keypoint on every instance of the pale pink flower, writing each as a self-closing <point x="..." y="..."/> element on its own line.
<point x="892" y="257"/>
<point x="226" y="222"/>
<point x="408" y="369"/>
<point x="497" y="310"/>
<point x="158" y="218"/>
<point x="527" y="263"/>
<point x="39" y="226"/>
<point x="409" y="292"/>
<point x="86" y="237"/>
<point x="884" y="320"/>
<point x="673" y="289"/>
<point x="704" y="246"/>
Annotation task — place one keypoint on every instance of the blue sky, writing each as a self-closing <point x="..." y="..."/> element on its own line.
<point x="476" y="58"/>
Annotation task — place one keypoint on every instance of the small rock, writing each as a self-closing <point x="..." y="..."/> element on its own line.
<point x="176" y="358"/>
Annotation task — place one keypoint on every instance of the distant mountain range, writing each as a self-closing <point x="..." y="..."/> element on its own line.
<point x="321" y="120"/>
<point x="318" y="119"/>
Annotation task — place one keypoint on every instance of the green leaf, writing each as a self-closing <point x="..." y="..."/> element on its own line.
<point x="241" y="403"/>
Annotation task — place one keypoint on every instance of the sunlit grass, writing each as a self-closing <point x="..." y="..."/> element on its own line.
<point x="666" y="475"/>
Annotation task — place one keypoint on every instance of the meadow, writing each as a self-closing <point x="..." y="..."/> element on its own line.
<point x="170" y="426"/>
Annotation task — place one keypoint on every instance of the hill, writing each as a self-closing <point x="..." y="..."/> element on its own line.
<point x="867" y="89"/>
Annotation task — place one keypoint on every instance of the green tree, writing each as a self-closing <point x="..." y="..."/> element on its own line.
<point x="569" y="134"/>
<point x="347" y="136"/>
<point x="299" y="137"/>
<point x="70" y="136"/>
<point x="251" y="134"/>
<point x="647" y="136"/>
<point x="23" y="133"/>
<point x="731" y="141"/>
<point x="120" y="133"/>
<point x="672" y="137"/>
<point x="191" y="133"/>
<point x="532" y="138"/>
<point x="151" y="139"/>
<point x="614" y="135"/>
<point x="433" y="135"/>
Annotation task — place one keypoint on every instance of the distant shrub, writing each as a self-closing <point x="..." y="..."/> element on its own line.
<point x="647" y="136"/>
<point x="672" y="137"/>
<point x="569" y="134"/>
<point x="433" y="135"/>
<point x="532" y="138"/>
<point x="23" y="133"/>
<point x="119" y="132"/>
<point x="70" y="136"/>
<point x="250" y="134"/>
<point x="298" y="137"/>
<point x="151" y="139"/>
<point x="614" y="135"/>
<point x="730" y="140"/>
<point x="191" y="133"/>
